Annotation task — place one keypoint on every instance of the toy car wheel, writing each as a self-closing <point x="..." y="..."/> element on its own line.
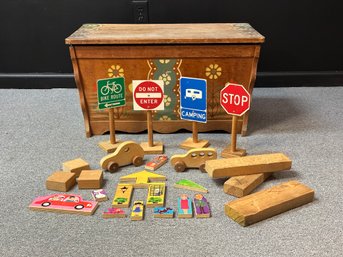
<point x="79" y="207"/>
<point x="112" y="167"/>
<point x="180" y="166"/>
<point x="46" y="204"/>
<point x="202" y="167"/>
<point x="137" y="161"/>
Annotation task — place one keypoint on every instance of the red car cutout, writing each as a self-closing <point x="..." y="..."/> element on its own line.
<point x="64" y="202"/>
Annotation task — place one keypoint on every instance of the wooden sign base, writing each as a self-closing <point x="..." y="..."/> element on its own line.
<point x="190" y="144"/>
<point x="108" y="147"/>
<point x="227" y="153"/>
<point x="157" y="148"/>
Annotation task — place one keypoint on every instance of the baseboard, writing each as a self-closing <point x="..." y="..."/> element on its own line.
<point x="264" y="79"/>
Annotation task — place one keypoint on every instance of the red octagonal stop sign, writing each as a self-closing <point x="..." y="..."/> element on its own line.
<point x="235" y="99"/>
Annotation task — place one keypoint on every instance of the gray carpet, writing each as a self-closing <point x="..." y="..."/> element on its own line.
<point x="40" y="129"/>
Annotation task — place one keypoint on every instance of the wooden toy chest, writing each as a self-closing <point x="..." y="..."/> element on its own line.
<point x="218" y="52"/>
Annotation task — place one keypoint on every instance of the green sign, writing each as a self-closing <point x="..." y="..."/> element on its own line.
<point x="111" y="93"/>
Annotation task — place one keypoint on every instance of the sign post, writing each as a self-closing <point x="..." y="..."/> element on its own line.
<point x="111" y="94"/>
<point x="148" y="95"/>
<point x="193" y="107"/>
<point x="235" y="100"/>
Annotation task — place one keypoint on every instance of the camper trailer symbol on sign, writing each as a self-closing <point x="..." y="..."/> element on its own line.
<point x="193" y="99"/>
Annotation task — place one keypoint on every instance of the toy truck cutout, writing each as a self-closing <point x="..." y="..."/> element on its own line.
<point x="127" y="153"/>
<point x="194" y="158"/>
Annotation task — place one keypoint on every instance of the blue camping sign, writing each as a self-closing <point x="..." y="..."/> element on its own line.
<point x="193" y="99"/>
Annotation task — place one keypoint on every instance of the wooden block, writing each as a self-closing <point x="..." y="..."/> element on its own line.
<point x="114" y="213"/>
<point x="247" y="165"/>
<point x="157" y="148"/>
<point x="137" y="210"/>
<point x="156" y="162"/>
<point x="76" y="166"/>
<point x="201" y="206"/>
<point x="99" y="195"/>
<point x="142" y="179"/>
<point x="61" y="181"/>
<point x="90" y="179"/>
<point x="267" y="203"/>
<point x="156" y="193"/>
<point x="184" y="207"/>
<point x="108" y="147"/>
<point x="190" y="185"/>
<point x="163" y="212"/>
<point x="189" y="144"/>
<point x="122" y="196"/>
<point x="194" y="158"/>
<point x="240" y="186"/>
<point x="64" y="203"/>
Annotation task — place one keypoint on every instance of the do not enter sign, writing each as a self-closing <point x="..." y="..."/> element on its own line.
<point x="235" y="99"/>
<point x="147" y="94"/>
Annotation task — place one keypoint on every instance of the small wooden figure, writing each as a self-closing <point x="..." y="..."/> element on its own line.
<point x="61" y="181"/>
<point x="201" y="207"/>
<point x="64" y="203"/>
<point x="156" y="162"/>
<point x="127" y="153"/>
<point x="194" y="158"/>
<point x="122" y="196"/>
<point x="114" y="213"/>
<point x="269" y="202"/>
<point x="148" y="95"/>
<point x="156" y="193"/>
<point x="184" y="207"/>
<point x="190" y="185"/>
<point x="76" y="166"/>
<point x="163" y="212"/>
<point x="142" y="179"/>
<point x="240" y="186"/>
<point x="137" y="212"/>
<point x="99" y="195"/>
<point x="247" y="165"/>
<point x="90" y="179"/>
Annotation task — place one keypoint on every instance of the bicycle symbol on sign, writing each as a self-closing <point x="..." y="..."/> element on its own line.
<point x="111" y="87"/>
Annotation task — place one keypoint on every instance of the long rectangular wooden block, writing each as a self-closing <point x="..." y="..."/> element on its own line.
<point x="247" y="165"/>
<point x="267" y="203"/>
<point x="240" y="186"/>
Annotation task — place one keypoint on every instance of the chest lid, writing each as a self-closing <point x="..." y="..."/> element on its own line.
<point x="199" y="33"/>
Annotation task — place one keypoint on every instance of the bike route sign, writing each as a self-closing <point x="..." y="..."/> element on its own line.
<point x="111" y="93"/>
<point x="193" y="99"/>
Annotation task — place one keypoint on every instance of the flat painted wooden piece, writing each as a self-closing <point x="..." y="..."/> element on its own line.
<point x="190" y="144"/>
<point x="142" y="179"/>
<point x="99" y="195"/>
<point x="75" y="166"/>
<point x="108" y="147"/>
<point x="163" y="212"/>
<point x="64" y="203"/>
<point x="206" y="33"/>
<point x="156" y="162"/>
<point x="127" y="153"/>
<point x="114" y="213"/>
<point x="137" y="212"/>
<point x="184" y="207"/>
<point x="269" y="202"/>
<point x="194" y="158"/>
<point x="247" y="165"/>
<point x="190" y="185"/>
<point x="240" y="186"/>
<point x="201" y="206"/>
<point x="122" y="196"/>
<point x="156" y="195"/>
<point x="157" y="148"/>
<point x="90" y="179"/>
<point x="61" y="181"/>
